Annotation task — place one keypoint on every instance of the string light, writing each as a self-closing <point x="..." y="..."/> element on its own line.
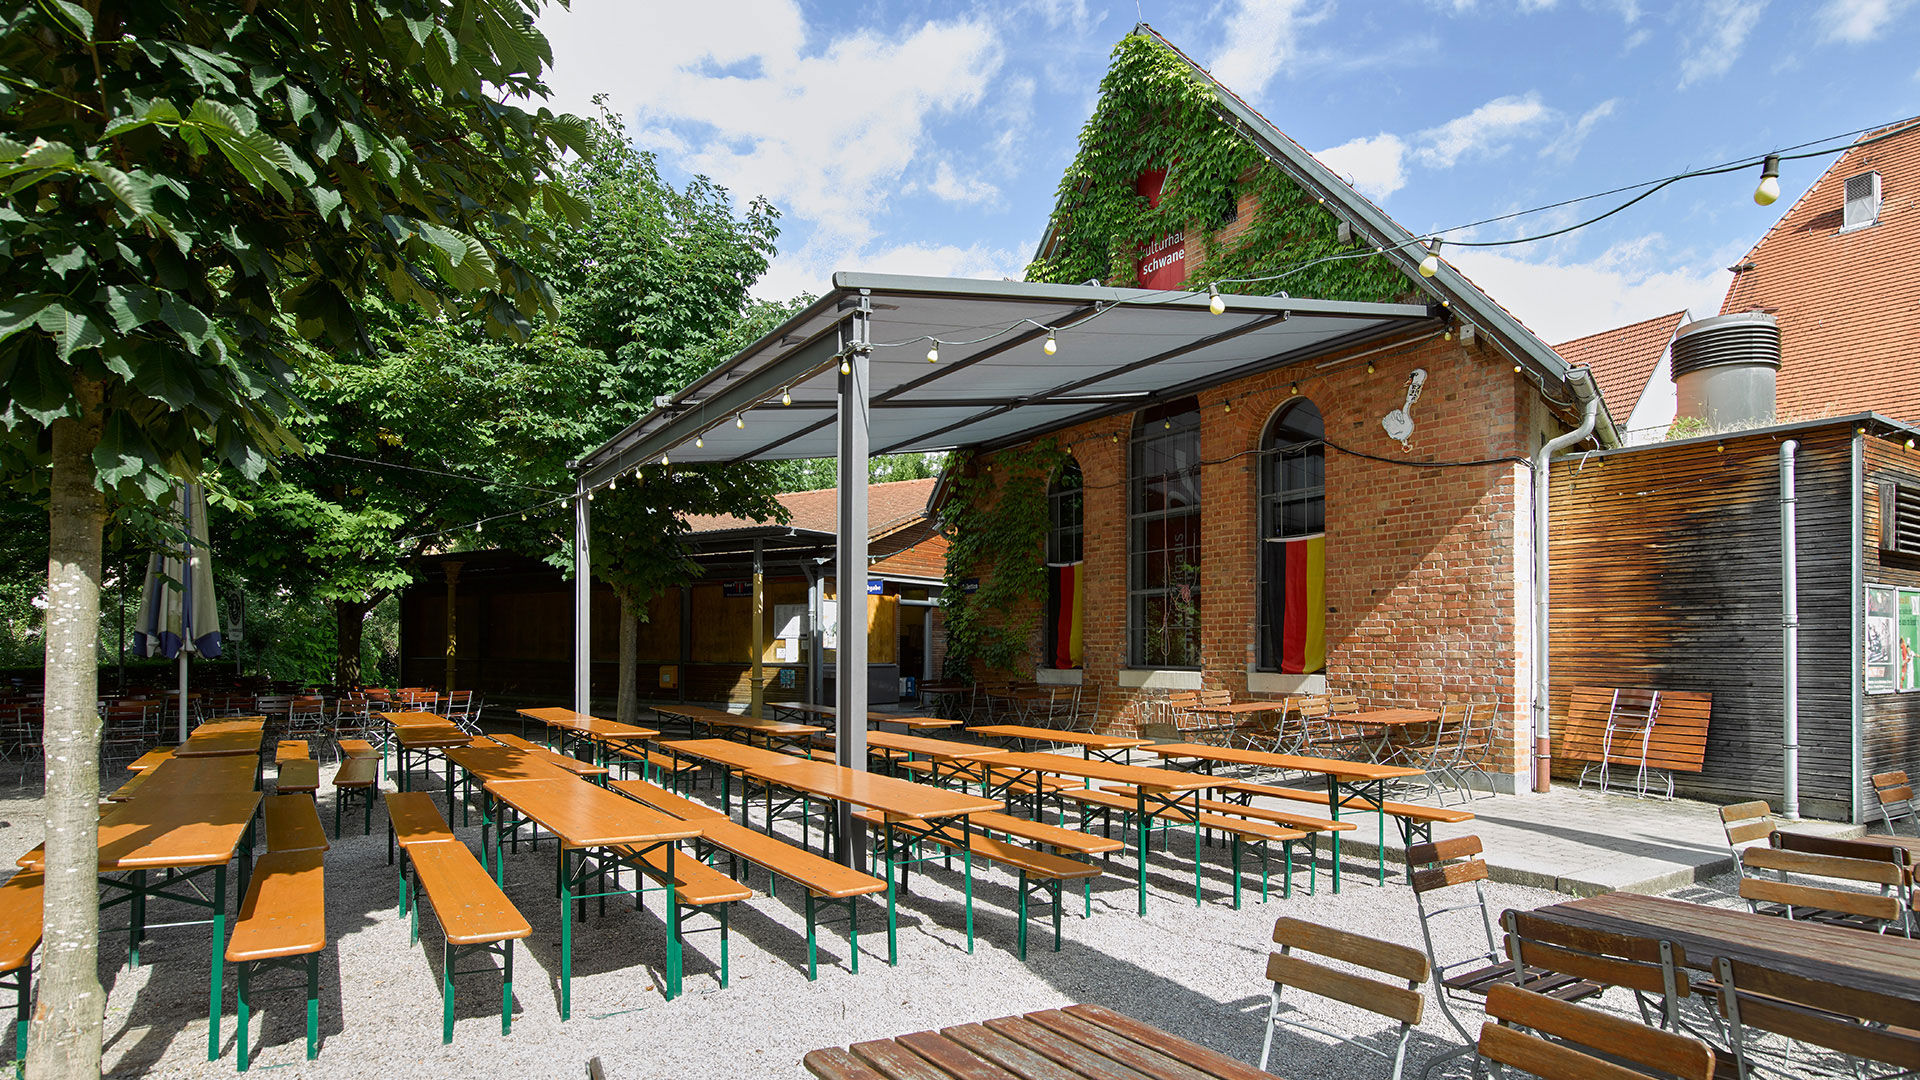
<point x="740" y="421"/>
<point x="1430" y="265"/>
<point x="1051" y="346"/>
<point x="1214" y="303"/>
<point x="786" y="396"/>
<point x="613" y="483"/>
<point x="1295" y="392"/>
<point x="589" y="494"/>
<point x="664" y="461"/>
<point x="933" y="353"/>
<point x="1369" y="367"/>
<point x="1769" y="190"/>
<point x="846" y="368"/>
<point x="699" y="442"/>
<point x="476" y="526"/>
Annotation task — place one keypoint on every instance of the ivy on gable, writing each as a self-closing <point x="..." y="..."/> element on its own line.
<point x="1156" y="112"/>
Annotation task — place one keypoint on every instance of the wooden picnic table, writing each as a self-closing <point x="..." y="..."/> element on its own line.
<point x="231" y="723"/>
<point x="1886" y="963"/>
<point x="1365" y="780"/>
<point x="1077" y="1041"/>
<point x="424" y="739"/>
<point x="187" y="834"/>
<point x="180" y="777"/>
<point x="732" y="757"/>
<point x="937" y="750"/>
<point x="1236" y="710"/>
<point x="830" y="713"/>
<point x="576" y="727"/>
<point x="1155" y="791"/>
<point x="599" y="833"/>
<point x="228" y="743"/>
<point x="748" y="727"/>
<point x="1091" y="745"/>
<point x="895" y="800"/>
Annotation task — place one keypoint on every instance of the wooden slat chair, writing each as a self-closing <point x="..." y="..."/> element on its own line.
<point x="475" y="916"/>
<point x="1385" y="997"/>
<point x="1859" y="1023"/>
<point x="1893" y="793"/>
<point x="826" y="883"/>
<point x="1826" y="902"/>
<point x="1440" y="873"/>
<point x="1437" y="755"/>
<point x="1746" y="822"/>
<point x="1627" y="736"/>
<point x="282" y="926"/>
<point x="1651" y="970"/>
<point x="1564" y="1041"/>
<point x="21" y="902"/>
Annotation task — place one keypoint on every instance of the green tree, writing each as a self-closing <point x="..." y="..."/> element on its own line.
<point x="189" y="186"/>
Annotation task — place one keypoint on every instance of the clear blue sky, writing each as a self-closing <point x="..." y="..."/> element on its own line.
<point x="922" y="137"/>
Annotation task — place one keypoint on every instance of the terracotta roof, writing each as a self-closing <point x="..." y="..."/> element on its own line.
<point x="1848" y="304"/>
<point x="1623" y="358"/>
<point x="926" y="559"/>
<point x="889" y="506"/>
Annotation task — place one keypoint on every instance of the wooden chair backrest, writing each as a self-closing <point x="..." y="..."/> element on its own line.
<point x="1314" y="705"/>
<point x="1339" y="704"/>
<point x="1581" y="1029"/>
<point x="1894" y="791"/>
<point x="1885" y="909"/>
<point x="1216" y="697"/>
<point x="1678" y="742"/>
<point x="1637" y="963"/>
<point x="1444" y="863"/>
<point x="1747" y="821"/>
<point x="1849" y="1018"/>
<point x="1845" y="849"/>
<point x="1808" y="864"/>
<point x="1289" y="968"/>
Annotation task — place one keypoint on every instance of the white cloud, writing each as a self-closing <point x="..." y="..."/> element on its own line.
<point x="1262" y="35"/>
<point x="1074" y="13"/>
<point x="948" y="186"/>
<point x="1719" y="33"/>
<point x="810" y="268"/>
<point x="1567" y="146"/>
<point x="1484" y="131"/>
<point x="1561" y="301"/>
<point x="1374" y="165"/>
<point x="826" y="127"/>
<point x="1858" y="21"/>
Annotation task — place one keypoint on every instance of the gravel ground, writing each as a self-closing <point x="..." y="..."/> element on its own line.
<point x="1195" y="971"/>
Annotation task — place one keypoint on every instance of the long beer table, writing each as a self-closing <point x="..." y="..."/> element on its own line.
<point x="576" y="727"/>
<point x="1155" y="791"/>
<point x="1363" y="780"/>
<point x="732" y="757"/>
<point x="772" y="732"/>
<point x="828" y="714"/>
<point x="1106" y="747"/>
<point x="895" y="800"/>
<point x="939" y="753"/>
<point x="422" y="733"/>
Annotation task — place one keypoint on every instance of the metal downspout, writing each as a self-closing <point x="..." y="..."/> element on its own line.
<point x="1789" y="635"/>
<point x="1580" y="382"/>
<point x="1857" y="651"/>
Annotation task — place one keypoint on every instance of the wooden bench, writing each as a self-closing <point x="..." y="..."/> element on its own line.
<point x="824" y="880"/>
<point x="655" y="765"/>
<point x="1241" y="831"/>
<point x="1414" y="820"/>
<point x="290" y="750"/>
<point x="697" y="887"/>
<point x="298" y="776"/>
<point x="1678" y="742"/>
<point x="151" y="758"/>
<point x="359" y="748"/>
<point x="21" y="899"/>
<point x="282" y="926"/>
<point x="1039" y="871"/>
<point x="293" y="824"/>
<point x="585" y="770"/>
<point x="475" y="916"/>
<point x="355" y="782"/>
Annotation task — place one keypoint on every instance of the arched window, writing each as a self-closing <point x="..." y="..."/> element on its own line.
<point x="1163" y="537"/>
<point x="1293" y="524"/>
<point x="1065" y="527"/>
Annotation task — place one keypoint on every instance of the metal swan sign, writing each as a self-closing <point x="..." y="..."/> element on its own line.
<point x="1399" y="422"/>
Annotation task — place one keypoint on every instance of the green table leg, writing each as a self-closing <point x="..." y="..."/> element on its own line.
<point x="893" y="922"/>
<point x="566" y="934"/>
<point x="506" y="989"/>
<point x="446" y="993"/>
<point x="673" y="929"/>
<point x="137" y="918"/>
<point x="1140" y="831"/>
<point x="313" y="1006"/>
<point x="214" y="988"/>
<point x="245" y="1012"/>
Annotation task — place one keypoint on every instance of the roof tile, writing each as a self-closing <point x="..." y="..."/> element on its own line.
<point x="1623" y="359"/>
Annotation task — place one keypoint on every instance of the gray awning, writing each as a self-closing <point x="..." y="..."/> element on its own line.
<point x="994" y="385"/>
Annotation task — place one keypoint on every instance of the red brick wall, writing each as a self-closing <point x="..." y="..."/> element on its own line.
<point x="1426" y="598"/>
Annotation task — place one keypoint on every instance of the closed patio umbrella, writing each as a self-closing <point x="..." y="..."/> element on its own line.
<point x="178" y="614"/>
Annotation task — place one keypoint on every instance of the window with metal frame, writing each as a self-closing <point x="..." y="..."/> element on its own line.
<point x="1292" y="541"/>
<point x="1163" y="537"/>
<point x="1066" y="528"/>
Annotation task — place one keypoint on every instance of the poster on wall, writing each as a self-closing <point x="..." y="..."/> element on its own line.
<point x="1883" y="638"/>
<point x="1909" y="656"/>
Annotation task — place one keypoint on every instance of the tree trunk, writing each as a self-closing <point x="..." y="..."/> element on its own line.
<point x="349" y="620"/>
<point x="65" y="1040"/>
<point x="630" y="612"/>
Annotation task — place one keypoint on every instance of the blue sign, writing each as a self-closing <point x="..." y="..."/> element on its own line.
<point x="875" y="586"/>
<point x="734" y="590"/>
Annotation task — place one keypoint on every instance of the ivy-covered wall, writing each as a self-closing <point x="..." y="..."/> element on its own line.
<point x="1242" y="218"/>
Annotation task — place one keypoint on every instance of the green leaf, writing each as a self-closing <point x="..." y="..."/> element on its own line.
<point x="77" y="17"/>
<point x="299" y="102"/>
<point x="41" y="387"/>
<point x="325" y="199"/>
<point x="131" y="195"/>
<point x="168" y="379"/>
<point x="124" y="449"/>
<point x="47" y="155"/>
<point x="19" y="314"/>
<point x="72" y="330"/>
<point x="131" y="306"/>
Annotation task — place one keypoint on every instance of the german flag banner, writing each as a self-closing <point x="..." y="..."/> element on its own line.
<point x="1063" y="615"/>
<point x="1296" y="603"/>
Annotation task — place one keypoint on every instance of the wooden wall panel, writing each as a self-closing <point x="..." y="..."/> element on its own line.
<point x="1666" y="574"/>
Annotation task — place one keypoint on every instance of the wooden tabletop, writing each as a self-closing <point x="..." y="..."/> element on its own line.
<point x="912" y="723"/>
<point x="1077" y="1041"/>
<point x="430" y="736"/>
<point x="534" y="750"/>
<point x="762" y="727"/>
<point x="587" y="815"/>
<point x="495" y="762"/>
<point x="1055" y="735"/>
<point x="151" y="758"/>
<point x="231" y="723"/>
<point x="937" y="749"/>
<point x="1387" y="717"/>
<point x="888" y="795"/>
<point x="1335" y="767"/>
<point x="1887" y="963"/>
<point x="723" y="752"/>
<point x="185" y="777"/>
<point x="1142" y="776"/>
<point x="220" y="744"/>
<point x="554" y="715"/>
<point x="411" y="718"/>
<point x="590" y="726"/>
<point x="152" y="832"/>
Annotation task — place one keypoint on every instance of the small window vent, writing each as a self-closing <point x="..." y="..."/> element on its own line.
<point x="1899" y="518"/>
<point x="1863" y="201"/>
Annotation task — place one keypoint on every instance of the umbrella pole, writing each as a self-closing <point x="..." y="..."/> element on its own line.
<point x="183" y="694"/>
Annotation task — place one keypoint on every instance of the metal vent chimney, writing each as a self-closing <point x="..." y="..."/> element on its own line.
<point x="1724" y="370"/>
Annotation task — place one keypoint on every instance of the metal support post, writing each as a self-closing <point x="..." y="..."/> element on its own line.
<point x="850" y="566"/>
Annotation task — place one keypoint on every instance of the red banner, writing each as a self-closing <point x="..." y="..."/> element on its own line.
<point x="1164" y="264"/>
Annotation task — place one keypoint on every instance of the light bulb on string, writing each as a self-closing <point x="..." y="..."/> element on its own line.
<point x="1214" y="303"/>
<point x="699" y="442"/>
<point x="1769" y="190"/>
<point x="664" y="461"/>
<point x="1051" y="345"/>
<point x="1430" y="265"/>
<point x="589" y="495"/>
<point x="786" y="396"/>
<point x="933" y="353"/>
<point x="846" y="368"/>
<point x="476" y="526"/>
<point x="1369" y="367"/>
<point x="740" y="421"/>
<point x="613" y="483"/>
<point x="1295" y="392"/>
